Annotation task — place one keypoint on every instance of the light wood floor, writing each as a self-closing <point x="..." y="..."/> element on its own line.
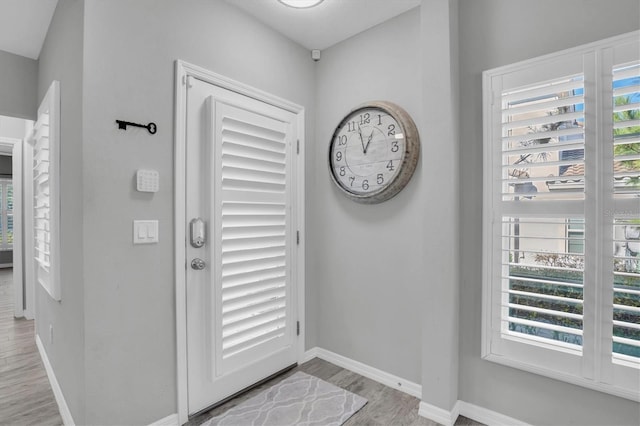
<point x="26" y="397"/>
<point x="386" y="406"/>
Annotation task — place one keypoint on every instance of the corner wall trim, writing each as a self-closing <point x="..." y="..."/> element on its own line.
<point x="440" y="415"/>
<point x="372" y="373"/>
<point x="170" y="420"/>
<point x="65" y="413"/>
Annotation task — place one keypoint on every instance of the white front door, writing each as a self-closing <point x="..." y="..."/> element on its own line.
<point x="241" y="310"/>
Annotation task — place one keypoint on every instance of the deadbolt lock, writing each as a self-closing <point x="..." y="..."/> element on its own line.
<point x="197" y="233"/>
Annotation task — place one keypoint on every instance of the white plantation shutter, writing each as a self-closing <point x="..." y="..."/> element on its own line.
<point x="543" y="284"/>
<point x="626" y="224"/>
<point x="543" y="139"/>
<point x="561" y="188"/>
<point x="626" y="285"/>
<point x="542" y="155"/>
<point x="45" y="143"/>
<point x="252" y="234"/>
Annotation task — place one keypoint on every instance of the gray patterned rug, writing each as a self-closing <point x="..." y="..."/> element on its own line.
<point x="300" y="400"/>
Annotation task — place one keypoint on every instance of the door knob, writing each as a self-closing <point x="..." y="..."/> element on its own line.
<point x="198" y="264"/>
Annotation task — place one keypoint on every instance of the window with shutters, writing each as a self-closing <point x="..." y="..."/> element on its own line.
<point x="561" y="262"/>
<point x="45" y="143"/>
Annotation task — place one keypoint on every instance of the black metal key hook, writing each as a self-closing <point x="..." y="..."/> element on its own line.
<point x="151" y="127"/>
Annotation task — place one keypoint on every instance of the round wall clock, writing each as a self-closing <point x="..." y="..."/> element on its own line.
<point x="374" y="152"/>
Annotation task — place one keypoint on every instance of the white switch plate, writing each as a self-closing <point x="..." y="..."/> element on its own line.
<point x="147" y="180"/>
<point x="145" y="231"/>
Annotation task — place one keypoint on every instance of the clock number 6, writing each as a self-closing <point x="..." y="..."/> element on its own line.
<point x="365" y="184"/>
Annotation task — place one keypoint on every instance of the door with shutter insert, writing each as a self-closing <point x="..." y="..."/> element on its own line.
<point x="240" y="241"/>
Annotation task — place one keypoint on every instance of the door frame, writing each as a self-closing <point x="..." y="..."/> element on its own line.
<point x="20" y="308"/>
<point x="183" y="71"/>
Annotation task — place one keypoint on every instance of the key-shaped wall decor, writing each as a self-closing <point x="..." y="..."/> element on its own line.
<point x="151" y="127"/>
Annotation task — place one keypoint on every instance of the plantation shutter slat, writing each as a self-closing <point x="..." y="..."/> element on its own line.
<point x="252" y="236"/>
<point x="542" y="91"/>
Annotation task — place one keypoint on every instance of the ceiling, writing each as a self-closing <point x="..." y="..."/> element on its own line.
<point x="24" y="25"/>
<point x="331" y="22"/>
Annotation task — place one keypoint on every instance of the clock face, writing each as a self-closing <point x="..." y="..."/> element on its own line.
<point x="369" y="153"/>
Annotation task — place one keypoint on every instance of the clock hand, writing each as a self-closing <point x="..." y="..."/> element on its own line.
<point x="364" y="150"/>
<point x="368" y="141"/>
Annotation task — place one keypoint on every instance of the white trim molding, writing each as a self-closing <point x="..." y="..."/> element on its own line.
<point x="486" y="416"/>
<point x="439" y="415"/>
<point x="372" y="373"/>
<point x="65" y="413"/>
<point x="471" y="411"/>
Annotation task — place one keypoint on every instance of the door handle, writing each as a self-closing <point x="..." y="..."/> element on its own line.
<point x="198" y="264"/>
<point x="197" y="232"/>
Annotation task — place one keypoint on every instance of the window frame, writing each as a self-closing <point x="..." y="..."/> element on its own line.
<point x="593" y="366"/>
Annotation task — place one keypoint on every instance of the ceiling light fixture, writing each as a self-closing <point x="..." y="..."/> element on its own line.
<point x="301" y="4"/>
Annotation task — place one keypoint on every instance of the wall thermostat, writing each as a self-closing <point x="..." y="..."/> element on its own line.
<point x="147" y="180"/>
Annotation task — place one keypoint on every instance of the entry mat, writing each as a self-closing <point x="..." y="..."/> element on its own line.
<point x="300" y="400"/>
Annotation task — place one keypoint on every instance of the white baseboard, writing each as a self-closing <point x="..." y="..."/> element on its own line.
<point x="437" y="414"/>
<point x="471" y="411"/>
<point x="170" y="420"/>
<point x="486" y="416"/>
<point x="372" y="373"/>
<point x="65" y="413"/>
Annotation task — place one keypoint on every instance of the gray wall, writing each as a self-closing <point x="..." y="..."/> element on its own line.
<point x="11" y="127"/>
<point x="18" y="86"/>
<point x="61" y="59"/>
<point x="495" y="33"/>
<point x="367" y="272"/>
<point x="129" y="53"/>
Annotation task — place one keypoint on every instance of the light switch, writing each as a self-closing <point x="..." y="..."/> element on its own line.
<point x="145" y="231"/>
